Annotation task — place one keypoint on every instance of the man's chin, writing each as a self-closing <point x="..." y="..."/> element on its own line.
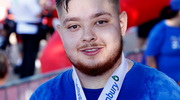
<point x="97" y="67"/>
<point x="92" y="69"/>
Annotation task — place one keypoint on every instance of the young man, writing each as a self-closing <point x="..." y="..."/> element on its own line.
<point x="92" y="31"/>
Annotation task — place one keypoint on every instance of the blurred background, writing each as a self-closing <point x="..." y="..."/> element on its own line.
<point x="32" y="50"/>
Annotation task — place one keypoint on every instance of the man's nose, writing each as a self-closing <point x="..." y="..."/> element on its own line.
<point x="88" y="35"/>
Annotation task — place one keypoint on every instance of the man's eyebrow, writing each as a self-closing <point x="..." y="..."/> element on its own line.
<point x="93" y="16"/>
<point x="100" y="14"/>
<point x="70" y="19"/>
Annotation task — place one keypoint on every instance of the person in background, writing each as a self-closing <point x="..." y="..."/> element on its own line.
<point x="163" y="47"/>
<point x="3" y="67"/>
<point x="5" y="30"/>
<point x="3" y="35"/>
<point x="27" y="15"/>
<point x="50" y="8"/>
<point x="92" y="32"/>
<point x="143" y="32"/>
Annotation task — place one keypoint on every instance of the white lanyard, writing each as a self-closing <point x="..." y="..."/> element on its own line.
<point x="112" y="87"/>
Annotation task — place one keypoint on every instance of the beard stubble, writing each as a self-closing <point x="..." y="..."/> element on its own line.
<point x="101" y="68"/>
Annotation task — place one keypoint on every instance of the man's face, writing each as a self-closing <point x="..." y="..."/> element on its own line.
<point x="91" y="35"/>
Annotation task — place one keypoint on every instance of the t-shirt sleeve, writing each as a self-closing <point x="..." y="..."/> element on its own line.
<point x="155" y="40"/>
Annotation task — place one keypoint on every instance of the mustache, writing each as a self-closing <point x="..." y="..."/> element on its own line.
<point x="90" y="45"/>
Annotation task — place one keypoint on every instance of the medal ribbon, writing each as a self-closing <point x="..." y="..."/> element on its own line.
<point x="112" y="87"/>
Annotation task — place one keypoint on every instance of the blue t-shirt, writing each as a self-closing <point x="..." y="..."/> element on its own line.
<point x="164" y="45"/>
<point x="140" y="83"/>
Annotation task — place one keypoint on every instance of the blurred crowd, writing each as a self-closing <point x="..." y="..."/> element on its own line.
<point x="34" y="20"/>
<point x="30" y="21"/>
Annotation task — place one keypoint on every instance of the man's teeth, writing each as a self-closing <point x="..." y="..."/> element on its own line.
<point x="90" y="50"/>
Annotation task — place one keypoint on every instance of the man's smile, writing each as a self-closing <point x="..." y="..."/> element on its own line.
<point x="91" y="51"/>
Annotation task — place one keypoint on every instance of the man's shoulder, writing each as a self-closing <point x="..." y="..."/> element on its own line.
<point x="53" y="86"/>
<point x="158" y="28"/>
<point x="160" y="25"/>
<point x="59" y="78"/>
<point x="145" y="82"/>
<point x="150" y="74"/>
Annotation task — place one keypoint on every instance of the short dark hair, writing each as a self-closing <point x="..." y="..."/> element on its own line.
<point x="167" y="13"/>
<point x="64" y="4"/>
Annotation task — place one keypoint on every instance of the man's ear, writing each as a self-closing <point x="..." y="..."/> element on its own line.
<point x="123" y="22"/>
<point x="58" y="28"/>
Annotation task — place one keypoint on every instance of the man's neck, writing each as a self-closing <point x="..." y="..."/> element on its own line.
<point x="98" y="81"/>
<point x="174" y="22"/>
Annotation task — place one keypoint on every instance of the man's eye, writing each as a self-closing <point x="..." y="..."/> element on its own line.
<point x="73" y="27"/>
<point x="101" y="22"/>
